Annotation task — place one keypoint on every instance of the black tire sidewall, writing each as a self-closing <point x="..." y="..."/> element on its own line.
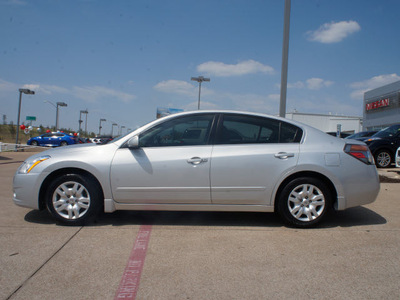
<point x="91" y="186"/>
<point x="283" y="209"/>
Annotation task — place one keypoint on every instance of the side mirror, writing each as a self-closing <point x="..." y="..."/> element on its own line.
<point x="133" y="143"/>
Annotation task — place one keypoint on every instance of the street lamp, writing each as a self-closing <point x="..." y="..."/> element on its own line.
<point x="80" y="119"/>
<point x="112" y="129"/>
<point x="199" y="79"/>
<point x="59" y="104"/>
<point x="101" y="120"/>
<point x="120" y="129"/>
<point x="21" y="91"/>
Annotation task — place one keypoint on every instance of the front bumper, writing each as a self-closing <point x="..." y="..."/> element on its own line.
<point x="26" y="189"/>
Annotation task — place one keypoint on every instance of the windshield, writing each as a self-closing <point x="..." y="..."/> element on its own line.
<point x="388" y="132"/>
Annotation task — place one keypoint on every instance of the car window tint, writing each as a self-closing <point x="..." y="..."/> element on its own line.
<point x="182" y="131"/>
<point x="238" y="129"/>
<point x="290" y="133"/>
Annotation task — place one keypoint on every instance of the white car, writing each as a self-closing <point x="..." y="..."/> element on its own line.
<point x="203" y="161"/>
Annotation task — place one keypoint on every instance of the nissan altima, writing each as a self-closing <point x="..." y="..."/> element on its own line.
<point x="203" y="161"/>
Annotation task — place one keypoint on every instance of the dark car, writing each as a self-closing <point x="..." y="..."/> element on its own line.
<point x="52" y="139"/>
<point x="384" y="144"/>
<point x="103" y="139"/>
<point x="360" y="136"/>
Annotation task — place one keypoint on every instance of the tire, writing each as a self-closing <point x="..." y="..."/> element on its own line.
<point x="383" y="159"/>
<point x="63" y="143"/>
<point x="34" y="143"/>
<point x="304" y="202"/>
<point x="74" y="199"/>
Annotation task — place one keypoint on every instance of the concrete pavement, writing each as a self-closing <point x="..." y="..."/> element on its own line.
<point x="354" y="255"/>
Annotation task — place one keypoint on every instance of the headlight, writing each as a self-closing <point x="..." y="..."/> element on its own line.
<point x="28" y="165"/>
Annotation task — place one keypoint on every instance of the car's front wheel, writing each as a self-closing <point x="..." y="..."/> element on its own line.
<point x="304" y="202"/>
<point x="63" y="143"/>
<point x="34" y="143"/>
<point x="74" y="199"/>
<point x="383" y="159"/>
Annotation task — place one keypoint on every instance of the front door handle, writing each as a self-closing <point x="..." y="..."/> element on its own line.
<point x="283" y="155"/>
<point x="196" y="160"/>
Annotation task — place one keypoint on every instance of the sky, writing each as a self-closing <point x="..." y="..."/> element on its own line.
<point x="123" y="59"/>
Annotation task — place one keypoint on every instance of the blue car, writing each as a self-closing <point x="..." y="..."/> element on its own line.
<point x="52" y="139"/>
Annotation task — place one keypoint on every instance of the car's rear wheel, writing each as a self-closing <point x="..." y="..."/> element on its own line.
<point x="64" y="143"/>
<point x="74" y="199"/>
<point x="383" y="159"/>
<point x="304" y="202"/>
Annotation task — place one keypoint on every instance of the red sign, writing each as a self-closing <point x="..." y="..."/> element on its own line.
<point x="377" y="104"/>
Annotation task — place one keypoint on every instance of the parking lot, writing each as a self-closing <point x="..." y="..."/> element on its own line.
<point x="192" y="255"/>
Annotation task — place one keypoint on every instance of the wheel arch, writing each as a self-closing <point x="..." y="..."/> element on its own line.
<point x="384" y="147"/>
<point x="64" y="171"/>
<point x="311" y="174"/>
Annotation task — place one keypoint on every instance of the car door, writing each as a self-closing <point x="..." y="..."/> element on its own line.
<point x="250" y="155"/>
<point x="170" y="166"/>
<point x="46" y="140"/>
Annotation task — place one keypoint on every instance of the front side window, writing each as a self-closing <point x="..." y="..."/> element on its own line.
<point x="182" y="131"/>
<point x="239" y="129"/>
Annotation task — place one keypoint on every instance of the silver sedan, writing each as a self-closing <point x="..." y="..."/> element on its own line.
<point x="203" y="161"/>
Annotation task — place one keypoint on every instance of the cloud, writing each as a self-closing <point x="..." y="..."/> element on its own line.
<point x="311" y="84"/>
<point x="221" y="69"/>
<point x="176" y="87"/>
<point x="317" y="83"/>
<point x="296" y="85"/>
<point x="333" y="32"/>
<point x="6" y="86"/>
<point x="86" y="93"/>
<point x="377" y="81"/>
<point x="181" y="87"/>
<point x="253" y="102"/>
<point x="95" y="93"/>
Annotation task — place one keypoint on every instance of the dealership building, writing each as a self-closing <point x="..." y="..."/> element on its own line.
<point x="382" y="107"/>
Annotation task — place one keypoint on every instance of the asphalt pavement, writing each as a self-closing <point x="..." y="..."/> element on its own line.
<point x="201" y="255"/>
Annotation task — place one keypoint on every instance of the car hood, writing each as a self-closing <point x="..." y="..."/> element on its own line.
<point x="68" y="150"/>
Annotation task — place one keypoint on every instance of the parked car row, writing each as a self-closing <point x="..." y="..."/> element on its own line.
<point x="55" y="139"/>
<point x="382" y="144"/>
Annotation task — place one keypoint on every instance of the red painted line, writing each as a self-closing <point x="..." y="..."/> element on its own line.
<point x="129" y="284"/>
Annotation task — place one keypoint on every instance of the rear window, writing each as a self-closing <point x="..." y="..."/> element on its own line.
<point x="241" y="129"/>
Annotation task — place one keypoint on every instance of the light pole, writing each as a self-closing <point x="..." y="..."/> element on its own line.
<point x="200" y="79"/>
<point x="101" y="120"/>
<point x="120" y="129"/>
<point x="112" y="129"/>
<point x="80" y="118"/>
<point x="28" y="92"/>
<point x="285" y="55"/>
<point x="59" y="104"/>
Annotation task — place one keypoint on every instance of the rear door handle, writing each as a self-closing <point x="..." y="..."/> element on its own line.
<point x="197" y="160"/>
<point x="283" y="155"/>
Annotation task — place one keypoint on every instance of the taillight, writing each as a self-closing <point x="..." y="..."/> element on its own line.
<point x="360" y="152"/>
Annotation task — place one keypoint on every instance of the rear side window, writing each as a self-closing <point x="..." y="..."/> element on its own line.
<point x="241" y="129"/>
